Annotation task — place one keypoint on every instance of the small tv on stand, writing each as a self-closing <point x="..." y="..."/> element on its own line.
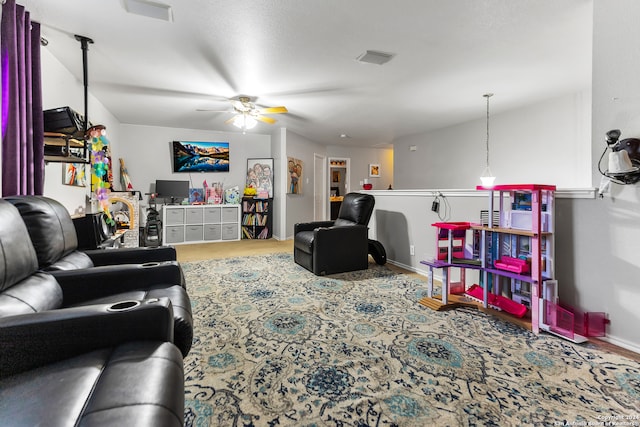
<point x="172" y="191"/>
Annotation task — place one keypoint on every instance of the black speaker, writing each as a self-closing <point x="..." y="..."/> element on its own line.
<point x="64" y="120"/>
<point x="92" y="230"/>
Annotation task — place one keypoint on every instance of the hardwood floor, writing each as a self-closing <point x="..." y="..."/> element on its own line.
<point x="236" y="248"/>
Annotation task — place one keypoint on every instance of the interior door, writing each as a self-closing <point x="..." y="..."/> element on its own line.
<point x="338" y="181"/>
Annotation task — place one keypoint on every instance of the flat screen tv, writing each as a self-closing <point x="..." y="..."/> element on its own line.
<point x="194" y="156"/>
<point x="172" y="191"/>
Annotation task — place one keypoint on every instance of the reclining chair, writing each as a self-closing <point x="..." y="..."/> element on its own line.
<point x="25" y="289"/>
<point x="54" y="237"/>
<point x="329" y="247"/>
<point x="95" y="365"/>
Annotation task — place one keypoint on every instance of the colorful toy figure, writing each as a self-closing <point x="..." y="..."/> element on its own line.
<point x="100" y="183"/>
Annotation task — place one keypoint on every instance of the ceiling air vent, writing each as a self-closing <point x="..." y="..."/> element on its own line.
<point x="375" y="57"/>
<point x="149" y="9"/>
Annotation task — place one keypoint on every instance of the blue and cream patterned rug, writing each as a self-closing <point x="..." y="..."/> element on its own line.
<point x="277" y="346"/>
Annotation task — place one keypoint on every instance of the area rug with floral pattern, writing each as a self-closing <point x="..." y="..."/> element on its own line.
<point x="275" y="345"/>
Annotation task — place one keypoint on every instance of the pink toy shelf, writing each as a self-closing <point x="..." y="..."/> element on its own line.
<point x="513" y="253"/>
<point x="451" y="239"/>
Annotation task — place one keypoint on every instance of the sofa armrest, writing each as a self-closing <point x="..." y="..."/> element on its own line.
<point x="101" y="257"/>
<point x="353" y="237"/>
<point x="97" y="282"/>
<point x="340" y="248"/>
<point x="31" y="340"/>
<point x="310" y="226"/>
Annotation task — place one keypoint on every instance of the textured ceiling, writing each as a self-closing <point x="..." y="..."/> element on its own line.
<point x="302" y="54"/>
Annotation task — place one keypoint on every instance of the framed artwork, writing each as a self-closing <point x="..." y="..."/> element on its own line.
<point x="295" y="168"/>
<point x="374" y="170"/>
<point x="260" y="176"/>
<point x="335" y="176"/>
<point x="74" y="174"/>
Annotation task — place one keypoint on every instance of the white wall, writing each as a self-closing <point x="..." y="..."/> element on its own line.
<point x="146" y="151"/>
<point x="300" y="206"/>
<point x="605" y="234"/>
<point x="360" y="158"/>
<point x="541" y="143"/>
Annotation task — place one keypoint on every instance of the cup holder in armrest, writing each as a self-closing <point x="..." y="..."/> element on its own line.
<point x="123" y="306"/>
<point x="150" y="264"/>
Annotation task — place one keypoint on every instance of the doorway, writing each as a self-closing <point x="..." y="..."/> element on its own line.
<point x="338" y="179"/>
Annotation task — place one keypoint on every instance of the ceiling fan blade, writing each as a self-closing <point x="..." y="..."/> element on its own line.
<point x="273" y="110"/>
<point x="213" y="111"/>
<point x="265" y="119"/>
<point x="230" y="120"/>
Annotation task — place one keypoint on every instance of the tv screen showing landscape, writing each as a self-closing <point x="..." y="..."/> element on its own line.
<point x="195" y="156"/>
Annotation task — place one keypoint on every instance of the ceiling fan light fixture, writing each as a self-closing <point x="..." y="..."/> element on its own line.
<point x="375" y="57"/>
<point x="244" y="122"/>
<point x="150" y="9"/>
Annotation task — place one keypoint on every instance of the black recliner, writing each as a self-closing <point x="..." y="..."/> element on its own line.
<point x="54" y="238"/>
<point x="329" y="247"/>
<point x="26" y="289"/>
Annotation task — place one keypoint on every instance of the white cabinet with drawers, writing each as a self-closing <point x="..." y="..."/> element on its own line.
<point x="200" y="223"/>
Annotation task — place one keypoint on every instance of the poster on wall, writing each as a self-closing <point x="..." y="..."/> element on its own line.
<point x="260" y="177"/>
<point x="295" y="168"/>
<point x="74" y="174"/>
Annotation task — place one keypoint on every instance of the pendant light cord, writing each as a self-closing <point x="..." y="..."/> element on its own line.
<point x="487" y="95"/>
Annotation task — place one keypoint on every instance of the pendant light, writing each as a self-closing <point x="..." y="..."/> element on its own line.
<point x="487" y="177"/>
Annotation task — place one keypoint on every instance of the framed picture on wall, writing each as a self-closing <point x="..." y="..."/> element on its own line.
<point x="374" y="170"/>
<point x="260" y="175"/>
<point x="295" y="168"/>
<point x="335" y="176"/>
<point x="74" y="174"/>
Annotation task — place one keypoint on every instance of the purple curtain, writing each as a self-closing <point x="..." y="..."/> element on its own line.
<point x="22" y="118"/>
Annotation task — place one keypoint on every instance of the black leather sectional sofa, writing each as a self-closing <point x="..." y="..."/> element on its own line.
<point x="87" y="345"/>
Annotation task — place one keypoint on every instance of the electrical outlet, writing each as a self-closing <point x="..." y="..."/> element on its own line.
<point x="412" y="250"/>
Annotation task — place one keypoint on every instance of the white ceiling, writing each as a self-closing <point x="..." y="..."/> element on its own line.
<point x="302" y="54"/>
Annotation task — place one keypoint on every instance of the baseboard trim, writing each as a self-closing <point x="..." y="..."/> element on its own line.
<point x="621" y="343"/>
<point x="408" y="267"/>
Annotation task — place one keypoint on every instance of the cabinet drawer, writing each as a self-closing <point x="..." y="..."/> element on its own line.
<point x="192" y="233"/>
<point x="174" y="234"/>
<point x="193" y="215"/>
<point x="230" y="214"/>
<point x="174" y="216"/>
<point x="229" y="231"/>
<point x="212" y="232"/>
<point x="211" y="214"/>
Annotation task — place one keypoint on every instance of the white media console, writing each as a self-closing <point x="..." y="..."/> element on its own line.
<point x="200" y="223"/>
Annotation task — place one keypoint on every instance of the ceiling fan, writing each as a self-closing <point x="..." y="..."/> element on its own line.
<point x="247" y="114"/>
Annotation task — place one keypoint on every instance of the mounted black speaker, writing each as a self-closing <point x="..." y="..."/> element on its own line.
<point x="92" y="230"/>
<point x="64" y="120"/>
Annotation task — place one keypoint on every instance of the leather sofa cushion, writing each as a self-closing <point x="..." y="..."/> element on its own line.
<point x="36" y="293"/>
<point x="76" y="260"/>
<point x="17" y="256"/>
<point x="50" y="227"/>
<point x="138" y="382"/>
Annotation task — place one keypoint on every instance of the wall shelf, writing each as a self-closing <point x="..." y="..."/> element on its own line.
<point x="64" y="148"/>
